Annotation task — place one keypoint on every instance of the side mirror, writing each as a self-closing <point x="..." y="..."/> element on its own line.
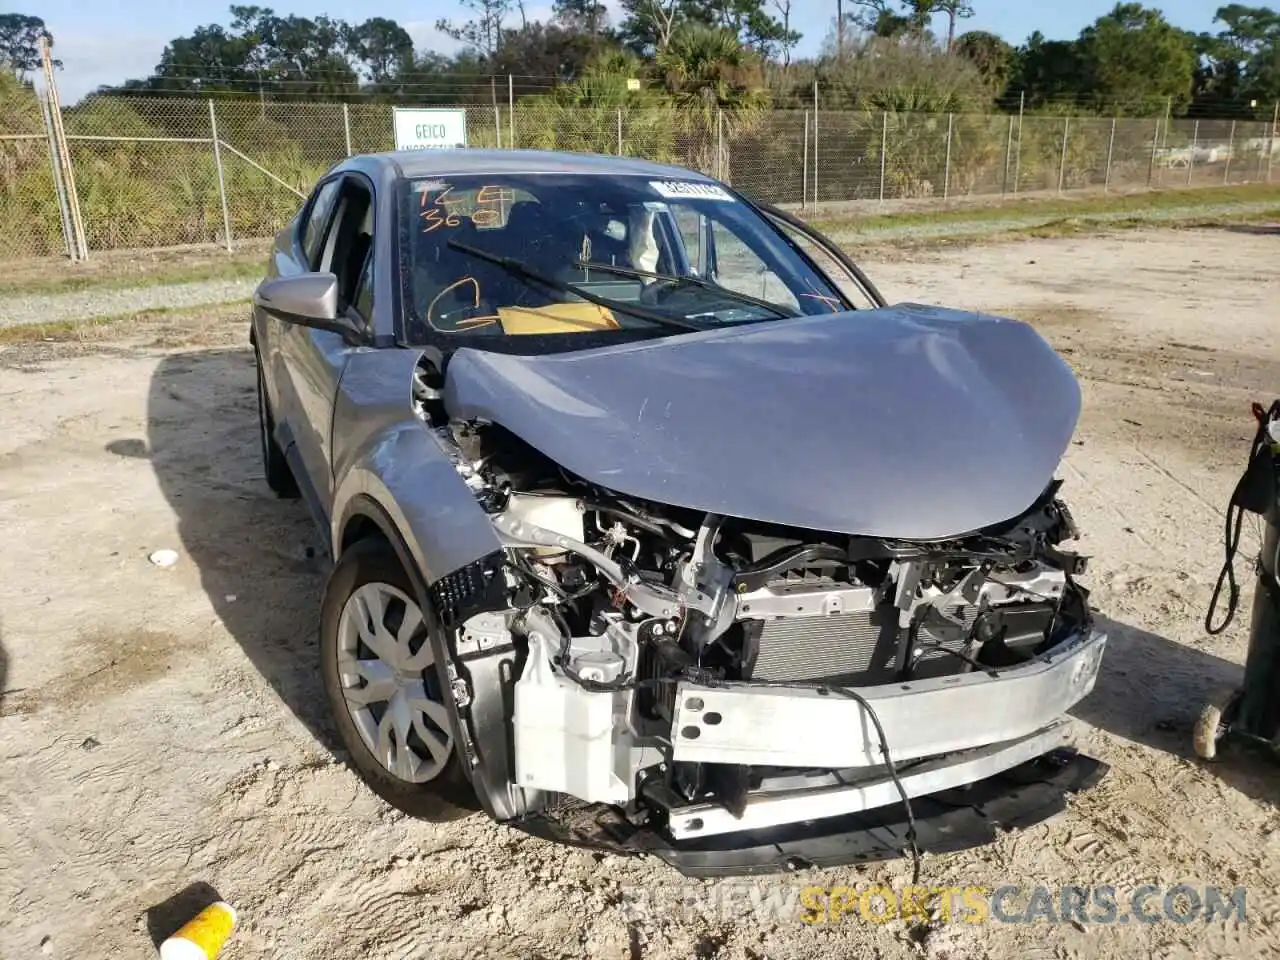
<point x="309" y="300"/>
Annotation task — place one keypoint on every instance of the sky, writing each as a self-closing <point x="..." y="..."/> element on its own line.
<point x="113" y="40"/>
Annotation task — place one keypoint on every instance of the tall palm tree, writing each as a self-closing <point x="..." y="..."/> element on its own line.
<point x="709" y="75"/>
<point x="955" y="10"/>
<point x="919" y="13"/>
<point x="705" y="67"/>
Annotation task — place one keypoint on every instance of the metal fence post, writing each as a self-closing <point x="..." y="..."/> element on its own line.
<point x="619" y="131"/>
<point x="1155" y="147"/>
<point x="1008" y="150"/>
<point x="497" y="125"/>
<point x="1111" y="148"/>
<point x="804" y="166"/>
<point x="1164" y="144"/>
<point x="1017" y="157"/>
<point x="1191" y="157"/>
<point x="1231" y="148"/>
<point x="1261" y="160"/>
<point x="815" y="144"/>
<point x="59" y="187"/>
<point x="346" y="127"/>
<point x="1062" y="165"/>
<point x="946" y="169"/>
<point x="720" y="160"/>
<point x="884" y="148"/>
<point x="222" y="182"/>
<point x="79" y="241"/>
<point x="1271" y="139"/>
<point x="511" y="111"/>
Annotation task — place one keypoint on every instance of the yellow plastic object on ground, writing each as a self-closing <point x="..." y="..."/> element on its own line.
<point x="557" y="318"/>
<point x="203" y="936"/>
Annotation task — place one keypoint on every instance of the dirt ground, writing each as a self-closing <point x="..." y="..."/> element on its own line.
<point x="161" y="728"/>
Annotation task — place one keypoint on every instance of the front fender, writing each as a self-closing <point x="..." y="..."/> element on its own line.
<point x="381" y="450"/>
<point x="390" y="470"/>
<point x="404" y="471"/>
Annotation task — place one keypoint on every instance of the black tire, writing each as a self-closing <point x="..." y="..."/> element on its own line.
<point x="449" y="796"/>
<point x="274" y="465"/>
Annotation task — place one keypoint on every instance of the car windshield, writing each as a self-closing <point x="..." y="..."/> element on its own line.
<point x="503" y="255"/>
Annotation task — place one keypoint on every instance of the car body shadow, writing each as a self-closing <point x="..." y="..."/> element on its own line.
<point x="1254" y="229"/>
<point x="4" y="670"/>
<point x="258" y="557"/>
<point x="1151" y="689"/>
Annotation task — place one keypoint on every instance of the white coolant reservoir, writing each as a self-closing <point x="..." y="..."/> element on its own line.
<point x="569" y="739"/>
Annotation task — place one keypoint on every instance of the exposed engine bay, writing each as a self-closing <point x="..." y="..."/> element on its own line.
<point x="709" y="674"/>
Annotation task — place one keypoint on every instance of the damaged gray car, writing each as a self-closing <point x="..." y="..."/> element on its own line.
<point x="656" y="530"/>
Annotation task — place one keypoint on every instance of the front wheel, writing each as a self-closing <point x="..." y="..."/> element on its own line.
<point x="385" y="688"/>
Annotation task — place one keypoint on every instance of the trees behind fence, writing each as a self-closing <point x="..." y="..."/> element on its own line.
<point x="166" y="172"/>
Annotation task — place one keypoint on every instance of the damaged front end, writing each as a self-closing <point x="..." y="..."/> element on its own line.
<point x="738" y="697"/>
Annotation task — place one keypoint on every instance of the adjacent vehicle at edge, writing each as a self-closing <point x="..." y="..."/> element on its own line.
<point x="656" y="530"/>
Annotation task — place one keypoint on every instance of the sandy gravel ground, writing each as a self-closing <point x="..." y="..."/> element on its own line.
<point x="84" y="304"/>
<point x="164" y="727"/>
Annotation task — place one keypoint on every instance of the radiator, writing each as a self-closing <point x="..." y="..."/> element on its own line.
<point x="845" y="648"/>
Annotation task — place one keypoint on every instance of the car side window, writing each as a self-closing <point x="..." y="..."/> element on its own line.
<point x="364" y="291"/>
<point x="690" y="224"/>
<point x="739" y="268"/>
<point x="348" y="249"/>
<point x="838" y="274"/>
<point x="316" y="221"/>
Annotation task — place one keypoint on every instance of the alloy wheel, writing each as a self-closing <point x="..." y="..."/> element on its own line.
<point x="386" y="668"/>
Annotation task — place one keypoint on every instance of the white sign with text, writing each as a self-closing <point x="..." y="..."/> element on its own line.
<point x="429" y="129"/>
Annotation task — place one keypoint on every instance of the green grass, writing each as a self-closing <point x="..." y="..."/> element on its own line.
<point x="122" y="324"/>
<point x="1155" y="202"/>
<point x="115" y="271"/>
<point x="1050" y="230"/>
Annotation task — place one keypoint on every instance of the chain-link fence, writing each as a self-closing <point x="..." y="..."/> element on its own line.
<point x="136" y="172"/>
<point x="30" y="215"/>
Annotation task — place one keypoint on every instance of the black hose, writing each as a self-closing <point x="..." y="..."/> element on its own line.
<point x="1227" y="575"/>
<point x="961" y="655"/>
<point x="893" y="775"/>
<point x="643" y="523"/>
<point x="1251" y="495"/>
<point x="522" y="565"/>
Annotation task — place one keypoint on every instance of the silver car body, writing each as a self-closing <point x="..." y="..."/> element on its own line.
<point x="935" y="423"/>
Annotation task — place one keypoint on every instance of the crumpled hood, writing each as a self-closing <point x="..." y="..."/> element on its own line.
<point x="908" y="421"/>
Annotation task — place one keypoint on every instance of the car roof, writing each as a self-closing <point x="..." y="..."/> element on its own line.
<point x="468" y="160"/>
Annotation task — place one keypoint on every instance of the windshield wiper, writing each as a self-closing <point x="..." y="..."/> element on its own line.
<point x="519" y="269"/>
<point x="687" y="282"/>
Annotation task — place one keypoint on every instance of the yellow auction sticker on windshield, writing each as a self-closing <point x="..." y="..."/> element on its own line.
<point x="686" y="190"/>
